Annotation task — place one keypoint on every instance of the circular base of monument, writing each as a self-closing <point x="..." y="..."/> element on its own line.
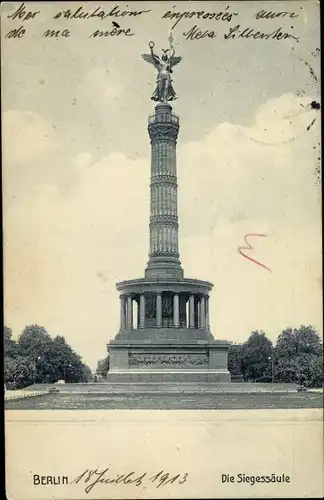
<point x="165" y="334"/>
<point x="164" y="268"/>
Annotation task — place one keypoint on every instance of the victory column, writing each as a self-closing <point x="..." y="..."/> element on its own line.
<point x="171" y="339"/>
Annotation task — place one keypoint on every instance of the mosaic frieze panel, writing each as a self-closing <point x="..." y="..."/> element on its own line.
<point x="166" y="360"/>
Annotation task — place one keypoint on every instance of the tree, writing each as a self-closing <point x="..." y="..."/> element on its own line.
<point x="235" y="359"/>
<point x="50" y="359"/>
<point x="316" y="369"/>
<point x="7" y="334"/>
<point x="256" y="358"/>
<point x="299" y="355"/>
<point x="103" y="367"/>
<point x="19" y="372"/>
<point x="87" y="374"/>
<point x="303" y="370"/>
<point x="9" y="345"/>
<point x="34" y="341"/>
<point x="297" y="341"/>
<point x="36" y="344"/>
<point x="65" y="363"/>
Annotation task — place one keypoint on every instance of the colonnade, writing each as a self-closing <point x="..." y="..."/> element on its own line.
<point x="183" y="310"/>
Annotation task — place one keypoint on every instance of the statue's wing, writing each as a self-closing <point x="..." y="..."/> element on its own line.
<point x="151" y="59"/>
<point x="174" y="60"/>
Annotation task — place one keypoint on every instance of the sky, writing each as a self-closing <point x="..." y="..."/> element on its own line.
<point x="76" y="166"/>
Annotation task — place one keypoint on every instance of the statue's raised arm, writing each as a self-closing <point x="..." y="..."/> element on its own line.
<point x="164" y="91"/>
<point x="173" y="60"/>
<point x="152" y="58"/>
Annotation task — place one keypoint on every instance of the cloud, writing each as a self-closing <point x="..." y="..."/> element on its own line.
<point x="231" y="176"/>
<point x="27" y="137"/>
<point x="64" y="252"/>
<point x="283" y="120"/>
<point x="82" y="160"/>
<point x="30" y="144"/>
<point x="99" y="89"/>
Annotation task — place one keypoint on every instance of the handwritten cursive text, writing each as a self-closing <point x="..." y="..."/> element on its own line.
<point x="93" y="477"/>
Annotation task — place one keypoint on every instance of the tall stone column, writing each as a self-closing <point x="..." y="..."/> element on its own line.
<point x="202" y="313"/>
<point x="197" y="312"/>
<point x="129" y="312"/>
<point x="176" y="319"/>
<point x="142" y="311"/>
<point x="182" y="311"/>
<point x="192" y="311"/>
<point x="163" y="130"/>
<point x="158" y="310"/>
<point x="207" y="313"/>
<point x="138" y="312"/>
<point x="122" y="313"/>
<point x="196" y="304"/>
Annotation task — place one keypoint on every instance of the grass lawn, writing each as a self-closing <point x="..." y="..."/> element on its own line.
<point x="180" y="401"/>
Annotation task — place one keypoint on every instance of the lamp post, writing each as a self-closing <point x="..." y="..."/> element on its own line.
<point x="64" y="370"/>
<point x="272" y="367"/>
<point x="35" y="366"/>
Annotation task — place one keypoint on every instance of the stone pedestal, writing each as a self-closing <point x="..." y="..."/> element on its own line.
<point x="168" y="361"/>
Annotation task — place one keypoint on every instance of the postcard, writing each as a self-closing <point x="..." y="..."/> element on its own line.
<point x="163" y="332"/>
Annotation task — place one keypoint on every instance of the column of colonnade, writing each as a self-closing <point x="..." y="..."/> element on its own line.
<point x="197" y="317"/>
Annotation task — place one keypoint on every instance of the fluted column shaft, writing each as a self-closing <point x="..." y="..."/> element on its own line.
<point x="122" y="313"/>
<point x="129" y="312"/>
<point x="163" y="130"/>
<point x="196" y="312"/>
<point x="176" y="319"/>
<point x="164" y="247"/>
<point x="207" y="314"/>
<point x="158" y="310"/>
<point x="192" y="311"/>
<point x="202" y="313"/>
<point x="142" y="311"/>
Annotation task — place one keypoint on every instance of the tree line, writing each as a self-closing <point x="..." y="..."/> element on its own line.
<point x="296" y="357"/>
<point x="37" y="358"/>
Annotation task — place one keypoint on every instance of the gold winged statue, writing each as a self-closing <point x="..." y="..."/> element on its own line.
<point x="164" y="91"/>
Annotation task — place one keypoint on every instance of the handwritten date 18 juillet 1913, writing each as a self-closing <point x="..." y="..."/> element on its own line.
<point x="91" y="478"/>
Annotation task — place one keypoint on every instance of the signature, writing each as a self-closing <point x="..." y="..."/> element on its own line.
<point x="249" y="247"/>
<point x="92" y="477"/>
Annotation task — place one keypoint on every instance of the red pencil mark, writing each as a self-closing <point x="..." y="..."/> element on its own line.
<point x="249" y="247"/>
